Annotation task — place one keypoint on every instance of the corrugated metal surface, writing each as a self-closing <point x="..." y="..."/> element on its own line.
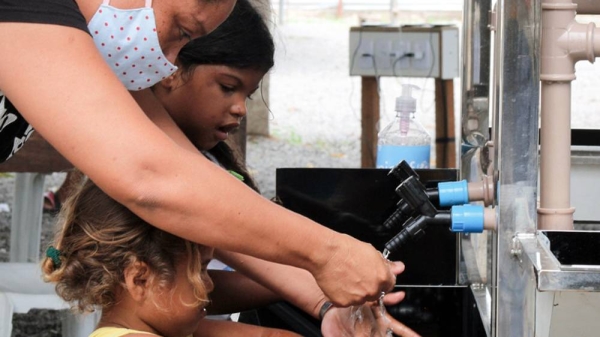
<point x="416" y="5"/>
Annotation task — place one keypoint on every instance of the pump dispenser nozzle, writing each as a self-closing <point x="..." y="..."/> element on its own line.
<point x="406" y="103"/>
<point x="404" y="138"/>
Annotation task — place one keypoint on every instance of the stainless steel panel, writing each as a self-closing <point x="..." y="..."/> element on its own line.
<point x="516" y="81"/>
<point x="551" y="275"/>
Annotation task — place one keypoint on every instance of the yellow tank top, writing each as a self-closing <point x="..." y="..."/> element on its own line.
<point x="116" y="332"/>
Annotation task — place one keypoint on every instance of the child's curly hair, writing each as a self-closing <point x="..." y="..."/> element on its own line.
<point x="98" y="238"/>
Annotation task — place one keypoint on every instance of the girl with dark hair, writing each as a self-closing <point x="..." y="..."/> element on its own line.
<point x="207" y="98"/>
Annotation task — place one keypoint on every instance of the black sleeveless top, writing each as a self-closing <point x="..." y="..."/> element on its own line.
<point x="14" y="129"/>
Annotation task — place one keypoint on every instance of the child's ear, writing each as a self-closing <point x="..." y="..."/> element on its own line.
<point x="138" y="280"/>
<point x="172" y="81"/>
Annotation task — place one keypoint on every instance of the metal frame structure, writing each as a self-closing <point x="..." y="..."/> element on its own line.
<point x="521" y="288"/>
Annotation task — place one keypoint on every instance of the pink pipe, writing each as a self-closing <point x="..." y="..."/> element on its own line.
<point x="482" y="190"/>
<point x="489" y="219"/>
<point x="564" y="43"/>
<point x="588" y="6"/>
<point x="555" y="157"/>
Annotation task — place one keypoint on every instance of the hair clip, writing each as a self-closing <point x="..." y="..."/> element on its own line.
<point x="54" y="255"/>
<point x="237" y="175"/>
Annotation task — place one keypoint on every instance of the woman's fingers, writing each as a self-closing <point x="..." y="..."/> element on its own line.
<point x="361" y="269"/>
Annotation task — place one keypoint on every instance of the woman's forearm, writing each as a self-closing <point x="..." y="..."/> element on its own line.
<point x="118" y="147"/>
<point x="292" y="284"/>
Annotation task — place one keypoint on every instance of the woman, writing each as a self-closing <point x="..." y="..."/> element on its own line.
<point x="53" y="74"/>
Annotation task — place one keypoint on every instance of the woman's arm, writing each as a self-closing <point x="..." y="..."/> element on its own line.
<point x="294" y="285"/>
<point x="152" y="107"/>
<point x="61" y="85"/>
<point x="299" y="288"/>
<point x="235" y="292"/>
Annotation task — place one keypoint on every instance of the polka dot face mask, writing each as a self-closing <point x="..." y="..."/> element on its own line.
<point x="128" y="41"/>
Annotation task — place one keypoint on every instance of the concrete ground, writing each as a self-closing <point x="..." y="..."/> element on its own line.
<point x="315" y="104"/>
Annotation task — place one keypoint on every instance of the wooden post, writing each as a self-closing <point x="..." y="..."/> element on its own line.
<point x="369" y="120"/>
<point x="445" y="142"/>
<point x="36" y="156"/>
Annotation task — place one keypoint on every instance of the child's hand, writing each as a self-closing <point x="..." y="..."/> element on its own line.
<point x="366" y="320"/>
<point x="389" y="322"/>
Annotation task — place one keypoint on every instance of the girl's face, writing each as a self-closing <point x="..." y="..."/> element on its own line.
<point x="210" y="102"/>
<point x="179" y="21"/>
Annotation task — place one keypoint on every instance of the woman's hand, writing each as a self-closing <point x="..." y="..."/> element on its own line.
<point x="365" y="320"/>
<point x="355" y="272"/>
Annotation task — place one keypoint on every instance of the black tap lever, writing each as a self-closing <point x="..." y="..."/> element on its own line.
<point x="414" y="228"/>
<point x="413" y="200"/>
<point x="403" y="171"/>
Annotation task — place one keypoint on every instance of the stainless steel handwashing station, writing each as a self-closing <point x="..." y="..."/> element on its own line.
<point x="538" y="274"/>
<point x="535" y="272"/>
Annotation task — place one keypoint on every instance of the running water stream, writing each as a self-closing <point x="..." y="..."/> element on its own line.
<point x="367" y="320"/>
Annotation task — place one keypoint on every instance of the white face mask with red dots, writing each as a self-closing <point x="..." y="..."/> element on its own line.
<point x="128" y="41"/>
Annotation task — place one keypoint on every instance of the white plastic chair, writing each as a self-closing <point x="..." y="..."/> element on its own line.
<point x="21" y="284"/>
<point x="22" y="289"/>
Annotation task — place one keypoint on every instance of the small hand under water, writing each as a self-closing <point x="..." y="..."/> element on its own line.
<point x="368" y="320"/>
<point x="389" y="330"/>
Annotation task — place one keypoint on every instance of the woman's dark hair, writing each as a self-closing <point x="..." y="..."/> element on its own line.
<point x="243" y="41"/>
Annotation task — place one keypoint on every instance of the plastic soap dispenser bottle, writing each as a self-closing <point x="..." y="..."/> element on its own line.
<point x="404" y="138"/>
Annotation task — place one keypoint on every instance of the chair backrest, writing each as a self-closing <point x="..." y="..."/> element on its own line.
<point x="37" y="155"/>
<point x="21" y="284"/>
